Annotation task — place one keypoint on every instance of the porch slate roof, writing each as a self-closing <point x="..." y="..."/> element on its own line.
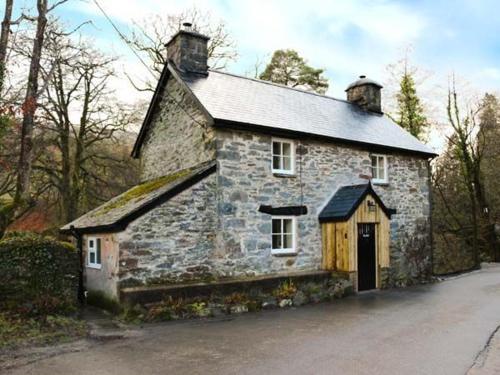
<point x="346" y="200"/>
<point x="115" y="214"/>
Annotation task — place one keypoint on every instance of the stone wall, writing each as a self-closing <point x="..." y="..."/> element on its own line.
<point x="246" y="181"/>
<point x="174" y="140"/>
<point x="410" y="248"/>
<point x="174" y="242"/>
<point x="104" y="279"/>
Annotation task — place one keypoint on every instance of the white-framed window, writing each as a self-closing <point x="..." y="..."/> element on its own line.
<point x="379" y="169"/>
<point x="94" y="252"/>
<point x="284" y="235"/>
<point x="283" y="156"/>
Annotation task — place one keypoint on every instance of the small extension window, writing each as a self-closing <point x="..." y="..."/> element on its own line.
<point x="283" y="157"/>
<point x="94" y="252"/>
<point x="379" y="169"/>
<point x="283" y="240"/>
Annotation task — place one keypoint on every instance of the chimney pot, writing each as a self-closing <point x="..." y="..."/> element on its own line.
<point x="188" y="26"/>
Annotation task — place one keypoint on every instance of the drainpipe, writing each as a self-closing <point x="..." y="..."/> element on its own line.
<point x="79" y="247"/>
<point x="431" y="234"/>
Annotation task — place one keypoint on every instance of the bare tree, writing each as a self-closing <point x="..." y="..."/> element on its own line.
<point x="22" y="196"/>
<point x="468" y="153"/>
<point x="81" y="118"/>
<point x="4" y="39"/>
<point x="150" y="36"/>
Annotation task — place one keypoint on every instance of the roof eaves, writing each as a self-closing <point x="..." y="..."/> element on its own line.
<point x="237" y="125"/>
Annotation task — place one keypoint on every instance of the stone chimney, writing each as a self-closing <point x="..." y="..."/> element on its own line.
<point x="188" y="50"/>
<point x="366" y="94"/>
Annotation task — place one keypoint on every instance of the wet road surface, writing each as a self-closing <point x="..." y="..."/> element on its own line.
<point x="431" y="329"/>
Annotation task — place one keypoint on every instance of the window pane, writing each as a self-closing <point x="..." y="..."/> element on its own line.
<point x="92" y="258"/>
<point x="381" y="173"/>
<point x="276" y="226"/>
<point x="287" y="149"/>
<point x="288" y="226"/>
<point x="276" y="148"/>
<point x="277" y="241"/>
<point x="91" y="243"/>
<point x="374" y="172"/>
<point x="276" y="162"/>
<point x="288" y="241"/>
<point x="287" y="163"/>
<point x="374" y="161"/>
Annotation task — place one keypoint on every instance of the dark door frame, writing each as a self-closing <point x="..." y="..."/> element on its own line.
<point x="366" y="280"/>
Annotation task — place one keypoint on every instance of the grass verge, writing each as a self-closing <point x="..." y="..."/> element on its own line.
<point x="17" y="331"/>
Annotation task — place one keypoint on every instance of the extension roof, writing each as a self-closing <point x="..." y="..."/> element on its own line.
<point x="250" y="104"/>
<point x="116" y="214"/>
<point x="346" y="200"/>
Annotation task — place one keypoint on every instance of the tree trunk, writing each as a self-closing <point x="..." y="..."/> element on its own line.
<point x="487" y="227"/>
<point x="29" y="107"/>
<point x="4" y="40"/>
<point x="79" y="154"/>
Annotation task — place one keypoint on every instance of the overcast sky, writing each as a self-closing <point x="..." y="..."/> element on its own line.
<point x="347" y="38"/>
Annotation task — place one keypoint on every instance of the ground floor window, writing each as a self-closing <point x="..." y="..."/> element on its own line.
<point x="94" y="252"/>
<point x="283" y="237"/>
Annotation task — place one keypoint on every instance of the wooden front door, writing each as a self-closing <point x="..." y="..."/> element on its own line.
<point x="367" y="265"/>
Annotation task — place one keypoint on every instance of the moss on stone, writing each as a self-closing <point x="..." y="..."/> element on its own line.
<point x="101" y="300"/>
<point x="141" y="190"/>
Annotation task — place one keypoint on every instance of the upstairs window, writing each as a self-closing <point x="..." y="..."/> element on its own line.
<point x="94" y="252"/>
<point x="283" y="157"/>
<point x="283" y="240"/>
<point x="379" y="169"/>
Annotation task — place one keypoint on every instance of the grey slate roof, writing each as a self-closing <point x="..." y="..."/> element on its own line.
<point x="346" y="200"/>
<point x="115" y="214"/>
<point x="254" y="102"/>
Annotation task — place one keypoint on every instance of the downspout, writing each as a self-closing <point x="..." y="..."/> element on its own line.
<point x="431" y="234"/>
<point x="79" y="246"/>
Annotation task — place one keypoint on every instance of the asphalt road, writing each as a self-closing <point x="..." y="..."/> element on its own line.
<point x="432" y="329"/>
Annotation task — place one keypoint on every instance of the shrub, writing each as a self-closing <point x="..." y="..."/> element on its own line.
<point x="169" y="308"/>
<point x="38" y="274"/>
<point x="286" y="290"/>
<point x="236" y="298"/>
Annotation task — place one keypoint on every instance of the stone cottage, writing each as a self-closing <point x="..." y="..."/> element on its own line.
<point x="246" y="179"/>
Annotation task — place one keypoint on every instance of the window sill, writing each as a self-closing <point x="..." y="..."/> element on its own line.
<point x="284" y="175"/>
<point x="94" y="266"/>
<point x="284" y="253"/>
<point x="380" y="183"/>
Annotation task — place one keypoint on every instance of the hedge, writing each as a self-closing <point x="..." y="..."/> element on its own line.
<point x="37" y="274"/>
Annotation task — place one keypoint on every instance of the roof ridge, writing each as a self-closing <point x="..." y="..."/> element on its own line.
<point x="282" y="86"/>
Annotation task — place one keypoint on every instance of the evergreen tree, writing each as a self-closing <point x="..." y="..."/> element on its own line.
<point x="288" y="68"/>
<point x="410" y="113"/>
